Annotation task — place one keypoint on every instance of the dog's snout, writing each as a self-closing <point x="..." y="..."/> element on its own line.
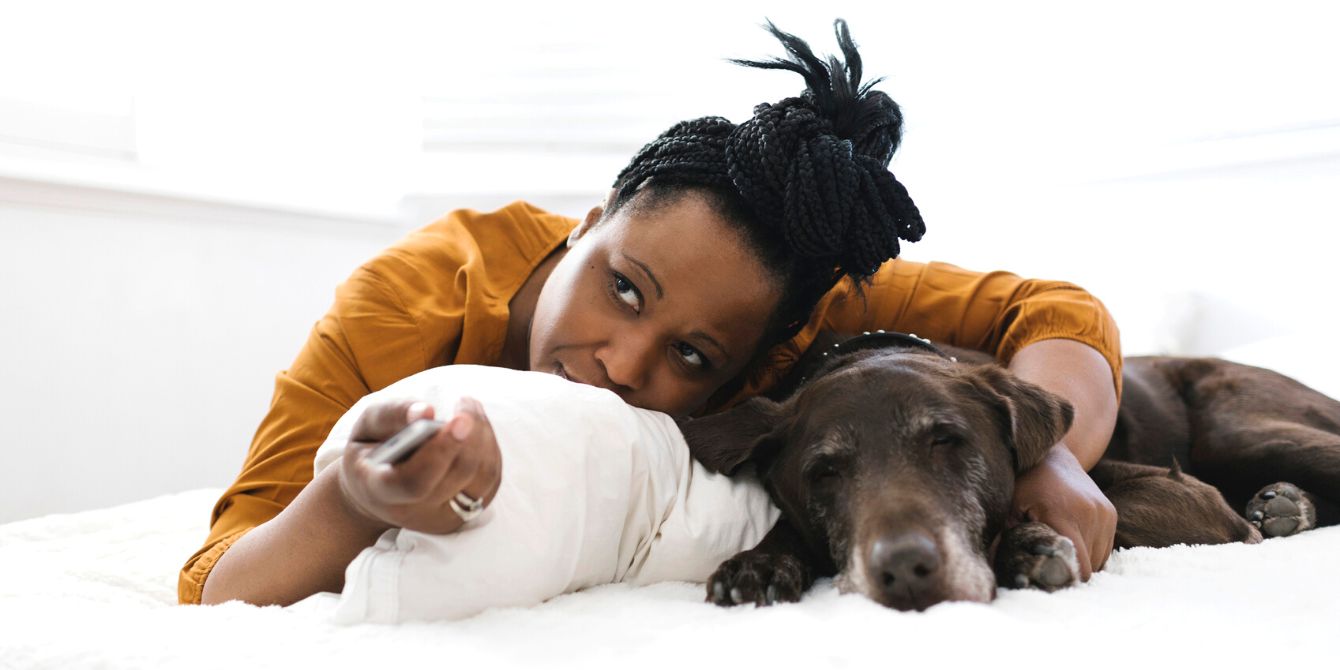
<point x="904" y="569"/>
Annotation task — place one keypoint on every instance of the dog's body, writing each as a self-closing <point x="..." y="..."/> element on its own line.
<point x="894" y="464"/>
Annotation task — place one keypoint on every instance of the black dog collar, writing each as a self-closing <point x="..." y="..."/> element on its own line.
<point x="878" y="340"/>
<point x="883" y="338"/>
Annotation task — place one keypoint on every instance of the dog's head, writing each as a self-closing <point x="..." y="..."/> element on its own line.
<point x="897" y="464"/>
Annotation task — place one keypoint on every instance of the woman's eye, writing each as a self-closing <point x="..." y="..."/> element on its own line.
<point x="691" y="356"/>
<point x="627" y="293"/>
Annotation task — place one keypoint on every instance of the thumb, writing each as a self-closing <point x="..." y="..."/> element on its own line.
<point x="419" y="410"/>
<point x="468" y="414"/>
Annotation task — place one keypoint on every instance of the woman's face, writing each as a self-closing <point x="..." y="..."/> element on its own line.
<point x="661" y="305"/>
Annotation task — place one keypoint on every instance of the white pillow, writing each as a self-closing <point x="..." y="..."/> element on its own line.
<point x="593" y="491"/>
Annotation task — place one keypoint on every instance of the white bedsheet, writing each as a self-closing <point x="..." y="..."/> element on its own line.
<point x="97" y="590"/>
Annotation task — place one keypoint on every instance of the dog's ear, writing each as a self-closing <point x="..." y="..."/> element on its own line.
<point x="724" y="441"/>
<point x="1033" y="419"/>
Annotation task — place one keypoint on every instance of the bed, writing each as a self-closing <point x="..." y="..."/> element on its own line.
<point x="97" y="589"/>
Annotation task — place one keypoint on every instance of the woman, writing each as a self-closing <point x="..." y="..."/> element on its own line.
<point x="718" y="255"/>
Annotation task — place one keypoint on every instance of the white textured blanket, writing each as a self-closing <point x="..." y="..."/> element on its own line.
<point x="97" y="590"/>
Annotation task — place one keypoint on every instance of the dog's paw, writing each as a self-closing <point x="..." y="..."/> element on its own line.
<point x="758" y="578"/>
<point x="1032" y="555"/>
<point x="1280" y="510"/>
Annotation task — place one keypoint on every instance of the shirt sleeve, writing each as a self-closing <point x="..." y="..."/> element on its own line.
<point x="994" y="312"/>
<point x="341" y="362"/>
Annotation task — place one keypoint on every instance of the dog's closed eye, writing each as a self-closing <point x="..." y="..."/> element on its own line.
<point x="823" y="472"/>
<point x="824" y="476"/>
<point x="945" y="440"/>
<point x="945" y="434"/>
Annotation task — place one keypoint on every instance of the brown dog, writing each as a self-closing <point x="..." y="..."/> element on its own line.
<point x="893" y="463"/>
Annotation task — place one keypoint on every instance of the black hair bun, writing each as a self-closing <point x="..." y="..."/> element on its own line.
<point x="818" y="164"/>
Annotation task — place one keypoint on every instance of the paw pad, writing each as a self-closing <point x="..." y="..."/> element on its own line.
<point x="758" y="578"/>
<point x="1280" y="510"/>
<point x="1035" y="556"/>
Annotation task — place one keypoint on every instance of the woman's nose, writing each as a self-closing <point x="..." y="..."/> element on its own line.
<point x="626" y="361"/>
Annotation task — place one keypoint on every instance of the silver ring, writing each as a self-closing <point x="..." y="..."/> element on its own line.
<point x="465" y="507"/>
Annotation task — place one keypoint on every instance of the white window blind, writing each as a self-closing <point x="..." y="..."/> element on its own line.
<point x="551" y="95"/>
<point x="101" y="126"/>
<point x="520" y="108"/>
<point x="65" y="81"/>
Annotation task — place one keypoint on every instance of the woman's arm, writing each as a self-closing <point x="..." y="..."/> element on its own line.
<point x="306" y="548"/>
<point x="302" y="551"/>
<point x="366" y="338"/>
<point x="1058" y="491"/>
<point x="1078" y="373"/>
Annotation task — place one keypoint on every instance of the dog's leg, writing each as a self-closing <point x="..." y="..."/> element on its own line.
<point x="1033" y="555"/>
<point x="1273" y="467"/>
<point x="1160" y="507"/>
<point x="1282" y="509"/>
<point x="777" y="570"/>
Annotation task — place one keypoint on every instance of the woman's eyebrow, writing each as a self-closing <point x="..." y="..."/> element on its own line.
<point x="646" y="271"/>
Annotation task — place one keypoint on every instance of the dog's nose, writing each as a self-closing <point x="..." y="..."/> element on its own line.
<point x="904" y="568"/>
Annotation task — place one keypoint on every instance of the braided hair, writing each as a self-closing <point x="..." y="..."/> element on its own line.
<point x="806" y="179"/>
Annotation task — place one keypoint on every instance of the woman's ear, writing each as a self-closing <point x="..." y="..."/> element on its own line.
<point x="592" y="218"/>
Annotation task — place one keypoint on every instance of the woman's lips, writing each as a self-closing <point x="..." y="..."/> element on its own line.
<point x="563" y="372"/>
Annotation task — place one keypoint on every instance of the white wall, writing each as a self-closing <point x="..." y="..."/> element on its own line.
<point x="141" y="335"/>
<point x="1180" y="160"/>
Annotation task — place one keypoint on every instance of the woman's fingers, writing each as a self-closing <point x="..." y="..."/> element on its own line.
<point x="472" y="453"/>
<point x="1109" y="539"/>
<point x="483" y="450"/>
<point x="459" y="479"/>
<point x="476" y="465"/>
<point x="382" y="420"/>
<point x="1083" y="549"/>
<point x="462" y="456"/>
<point x="419" y="477"/>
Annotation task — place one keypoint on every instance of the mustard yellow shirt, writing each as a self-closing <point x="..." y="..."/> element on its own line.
<point x="440" y="296"/>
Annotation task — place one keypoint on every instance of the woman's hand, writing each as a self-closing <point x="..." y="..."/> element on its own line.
<point x="306" y="548"/>
<point x="414" y="494"/>
<point x="1059" y="493"/>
